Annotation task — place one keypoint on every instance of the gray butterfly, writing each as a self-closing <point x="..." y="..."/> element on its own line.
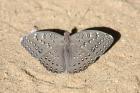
<point x="67" y="53"/>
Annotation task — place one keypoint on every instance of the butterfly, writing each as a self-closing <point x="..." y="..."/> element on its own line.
<point x="70" y="53"/>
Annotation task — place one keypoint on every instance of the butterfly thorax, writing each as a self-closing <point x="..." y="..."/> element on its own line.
<point x="67" y="38"/>
<point x="67" y="48"/>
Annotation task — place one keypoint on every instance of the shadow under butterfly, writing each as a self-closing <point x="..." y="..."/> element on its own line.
<point x="60" y="51"/>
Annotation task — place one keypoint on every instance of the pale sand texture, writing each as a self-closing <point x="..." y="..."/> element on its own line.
<point x="118" y="71"/>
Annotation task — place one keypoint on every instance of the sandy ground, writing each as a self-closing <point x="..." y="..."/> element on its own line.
<point x="118" y="71"/>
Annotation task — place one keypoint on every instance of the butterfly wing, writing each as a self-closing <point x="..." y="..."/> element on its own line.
<point x="86" y="47"/>
<point x="46" y="46"/>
